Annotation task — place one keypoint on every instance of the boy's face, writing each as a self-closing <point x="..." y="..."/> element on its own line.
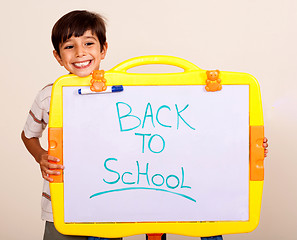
<point x="81" y="55"/>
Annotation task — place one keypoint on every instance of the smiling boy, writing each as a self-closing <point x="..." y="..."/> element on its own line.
<point x="81" y="55"/>
<point x="79" y="40"/>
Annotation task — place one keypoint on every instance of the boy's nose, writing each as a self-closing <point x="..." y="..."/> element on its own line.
<point x="80" y="51"/>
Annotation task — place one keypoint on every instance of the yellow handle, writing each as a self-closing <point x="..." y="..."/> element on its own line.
<point x="155" y="59"/>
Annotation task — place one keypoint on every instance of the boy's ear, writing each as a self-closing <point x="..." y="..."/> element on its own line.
<point x="57" y="56"/>
<point x="104" y="50"/>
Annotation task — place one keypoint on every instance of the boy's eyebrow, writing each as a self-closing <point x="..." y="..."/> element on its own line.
<point x="67" y="40"/>
<point x="86" y="37"/>
<point x="90" y="37"/>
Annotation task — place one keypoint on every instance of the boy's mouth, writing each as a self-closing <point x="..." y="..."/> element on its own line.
<point x="82" y="64"/>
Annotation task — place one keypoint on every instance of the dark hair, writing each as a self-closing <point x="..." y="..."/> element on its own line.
<point x="77" y="23"/>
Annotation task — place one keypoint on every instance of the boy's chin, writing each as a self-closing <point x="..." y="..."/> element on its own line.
<point x="85" y="74"/>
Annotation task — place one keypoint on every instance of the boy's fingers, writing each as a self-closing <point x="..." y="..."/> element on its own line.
<point x="52" y="172"/>
<point x="45" y="164"/>
<point x="55" y="166"/>
<point x="52" y="158"/>
<point x="46" y="177"/>
<point x="265" y="142"/>
<point x="265" y="145"/>
<point x="265" y="152"/>
<point x="50" y="169"/>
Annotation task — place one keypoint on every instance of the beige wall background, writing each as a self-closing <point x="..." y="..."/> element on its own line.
<point x="253" y="36"/>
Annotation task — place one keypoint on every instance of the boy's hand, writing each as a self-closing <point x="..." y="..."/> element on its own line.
<point x="47" y="168"/>
<point x="41" y="156"/>
<point x="265" y="145"/>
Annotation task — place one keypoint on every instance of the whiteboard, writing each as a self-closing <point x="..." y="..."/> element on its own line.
<point x="156" y="153"/>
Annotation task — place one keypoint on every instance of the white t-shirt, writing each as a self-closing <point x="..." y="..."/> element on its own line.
<point x="36" y="123"/>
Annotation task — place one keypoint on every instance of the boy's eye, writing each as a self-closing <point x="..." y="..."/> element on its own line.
<point x="68" y="47"/>
<point x="89" y="43"/>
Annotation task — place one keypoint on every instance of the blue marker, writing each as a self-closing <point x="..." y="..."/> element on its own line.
<point x="110" y="89"/>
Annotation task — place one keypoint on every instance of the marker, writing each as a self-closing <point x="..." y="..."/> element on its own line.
<point x="110" y="89"/>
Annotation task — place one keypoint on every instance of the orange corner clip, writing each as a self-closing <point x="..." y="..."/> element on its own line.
<point x="98" y="82"/>
<point x="213" y="83"/>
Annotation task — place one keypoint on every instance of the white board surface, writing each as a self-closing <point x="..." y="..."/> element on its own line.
<point x="156" y="153"/>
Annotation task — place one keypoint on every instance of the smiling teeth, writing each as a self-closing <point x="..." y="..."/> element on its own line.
<point x="82" y="64"/>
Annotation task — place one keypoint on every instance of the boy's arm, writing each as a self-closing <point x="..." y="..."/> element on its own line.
<point x="42" y="158"/>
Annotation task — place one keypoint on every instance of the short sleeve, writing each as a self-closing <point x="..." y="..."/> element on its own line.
<point x="38" y="116"/>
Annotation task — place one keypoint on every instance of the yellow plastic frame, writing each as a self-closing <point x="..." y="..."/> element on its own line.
<point x="192" y="75"/>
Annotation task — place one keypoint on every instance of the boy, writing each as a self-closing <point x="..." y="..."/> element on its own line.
<point x="79" y="40"/>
